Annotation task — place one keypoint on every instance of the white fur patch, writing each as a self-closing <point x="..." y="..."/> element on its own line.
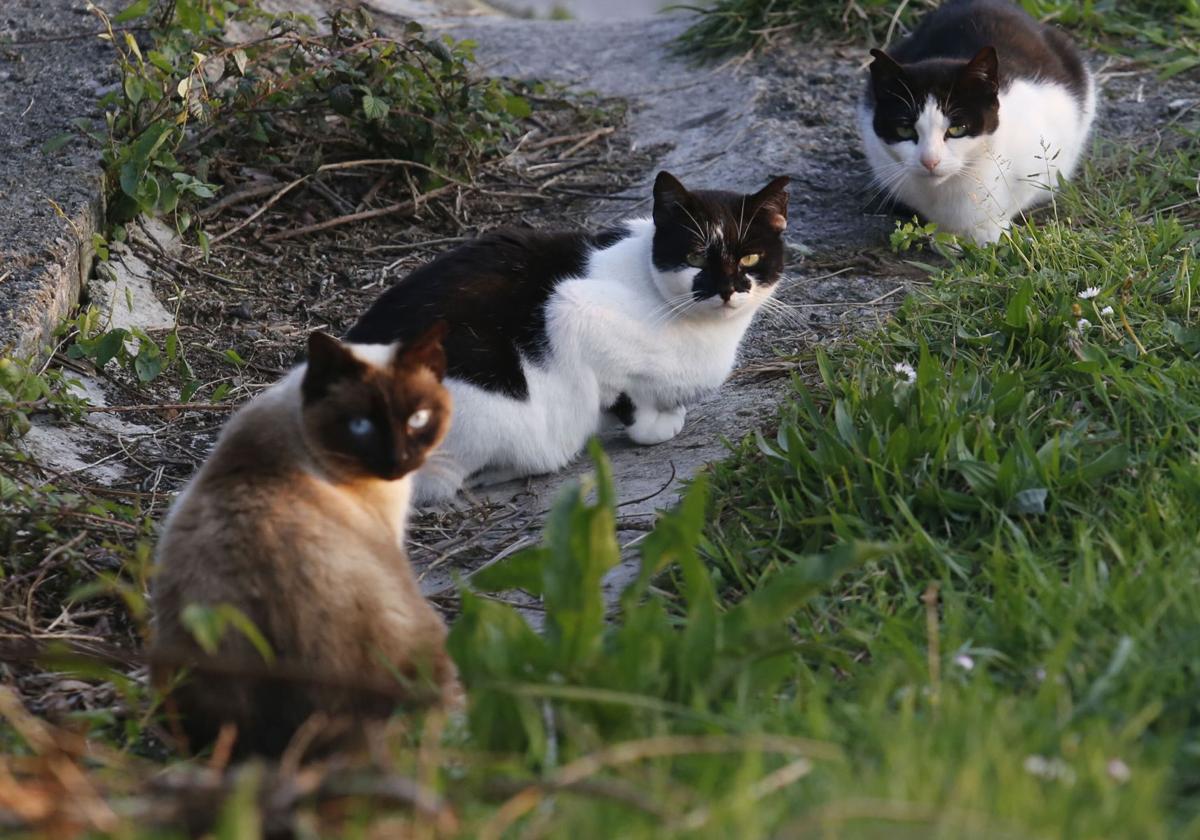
<point x="376" y="355"/>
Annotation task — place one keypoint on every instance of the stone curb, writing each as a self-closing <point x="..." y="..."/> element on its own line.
<point x="52" y="69"/>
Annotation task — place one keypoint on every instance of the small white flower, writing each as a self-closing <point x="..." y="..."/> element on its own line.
<point x="1040" y="674"/>
<point x="907" y="372"/>
<point x="965" y="662"/>
<point x="1106" y="311"/>
<point x="1083" y="325"/>
<point x="1089" y="293"/>
<point x="1049" y="768"/>
<point x="1119" y="771"/>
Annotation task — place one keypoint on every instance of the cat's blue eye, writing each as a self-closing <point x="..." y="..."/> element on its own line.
<point x="360" y="426"/>
<point x="906" y="132"/>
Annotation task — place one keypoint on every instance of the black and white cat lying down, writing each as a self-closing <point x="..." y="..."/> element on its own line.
<point x="549" y="333"/>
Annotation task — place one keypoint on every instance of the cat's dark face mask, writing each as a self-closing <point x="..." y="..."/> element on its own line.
<point x="365" y="421"/>
<point x="717" y="253"/>
<point x="934" y="116"/>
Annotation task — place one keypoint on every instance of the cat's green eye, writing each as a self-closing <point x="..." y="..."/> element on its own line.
<point x="697" y="259"/>
<point x="956" y="131"/>
<point x="749" y="261"/>
<point x="906" y="132"/>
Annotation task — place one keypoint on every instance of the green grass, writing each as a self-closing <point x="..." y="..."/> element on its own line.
<point x="1162" y="33"/>
<point x="988" y="575"/>
<point x="1046" y="480"/>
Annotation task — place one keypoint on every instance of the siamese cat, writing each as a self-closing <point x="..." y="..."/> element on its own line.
<point x="296" y="523"/>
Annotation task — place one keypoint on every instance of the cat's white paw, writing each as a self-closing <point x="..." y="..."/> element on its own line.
<point x="989" y="233"/>
<point x="432" y="489"/>
<point x="651" y="427"/>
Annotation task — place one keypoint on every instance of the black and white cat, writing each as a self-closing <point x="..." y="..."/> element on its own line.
<point x="550" y="332"/>
<point x="972" y="118"/>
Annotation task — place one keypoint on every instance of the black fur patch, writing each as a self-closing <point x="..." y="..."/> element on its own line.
<point x="492" y="293"/>
<point x="623" y="409"/>
<point x="714" y="230"/>
<point x="936" y="60"/>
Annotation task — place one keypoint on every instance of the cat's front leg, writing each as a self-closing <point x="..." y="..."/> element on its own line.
<point x="437" y="482"/>
<point x="989" y="231"/>
<point x="645" y="423"/>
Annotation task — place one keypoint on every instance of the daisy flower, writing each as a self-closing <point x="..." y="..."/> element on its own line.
<point x="1089" y="293"/>
<point x="907" y="372"/>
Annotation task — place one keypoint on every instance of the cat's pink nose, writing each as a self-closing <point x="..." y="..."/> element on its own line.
<point x="930" y="162"/>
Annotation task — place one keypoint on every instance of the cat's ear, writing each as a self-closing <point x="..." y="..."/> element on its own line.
<point x="425" y="351"/>
<point x="984" y="68"/>
<point x="772" y="202"/>
<point x="884" y="67"/>
<point x="329" y="360"/>
<point x="668" y="193"/>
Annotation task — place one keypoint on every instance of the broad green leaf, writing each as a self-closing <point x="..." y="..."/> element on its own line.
<point x="374" y="108"/>
<point x="109" y="345"/>
<point x="522" y="570"/>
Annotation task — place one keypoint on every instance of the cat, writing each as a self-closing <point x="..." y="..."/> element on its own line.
<point x="973" y="118"/>
<point x="296" y="520"/>
<point x="553" y="332"/>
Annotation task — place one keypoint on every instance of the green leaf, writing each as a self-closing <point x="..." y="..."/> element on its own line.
<point x="581" y="546"/>
<point x="130" y="178"/>
<point x="1111" y="461"/>
<point x="1018" y="314"/>
<point x="781" y="595"/>
<point x="149" y="362"/>
<point x="135" y="88"/>
<point x="134" y="10"/>
<point x="208" y="624"/>
<point x="438" y="48"/>
<point x="1179" y="65"/>
<point x="57" y="142"/>
<point x="522" y="570"/>
<point x="109" y="345"/>
<point x="374" y="108"/>
<point x="518" y="107"/>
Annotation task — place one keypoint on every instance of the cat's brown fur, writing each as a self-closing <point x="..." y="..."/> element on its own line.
<point x="299" y="523"/>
